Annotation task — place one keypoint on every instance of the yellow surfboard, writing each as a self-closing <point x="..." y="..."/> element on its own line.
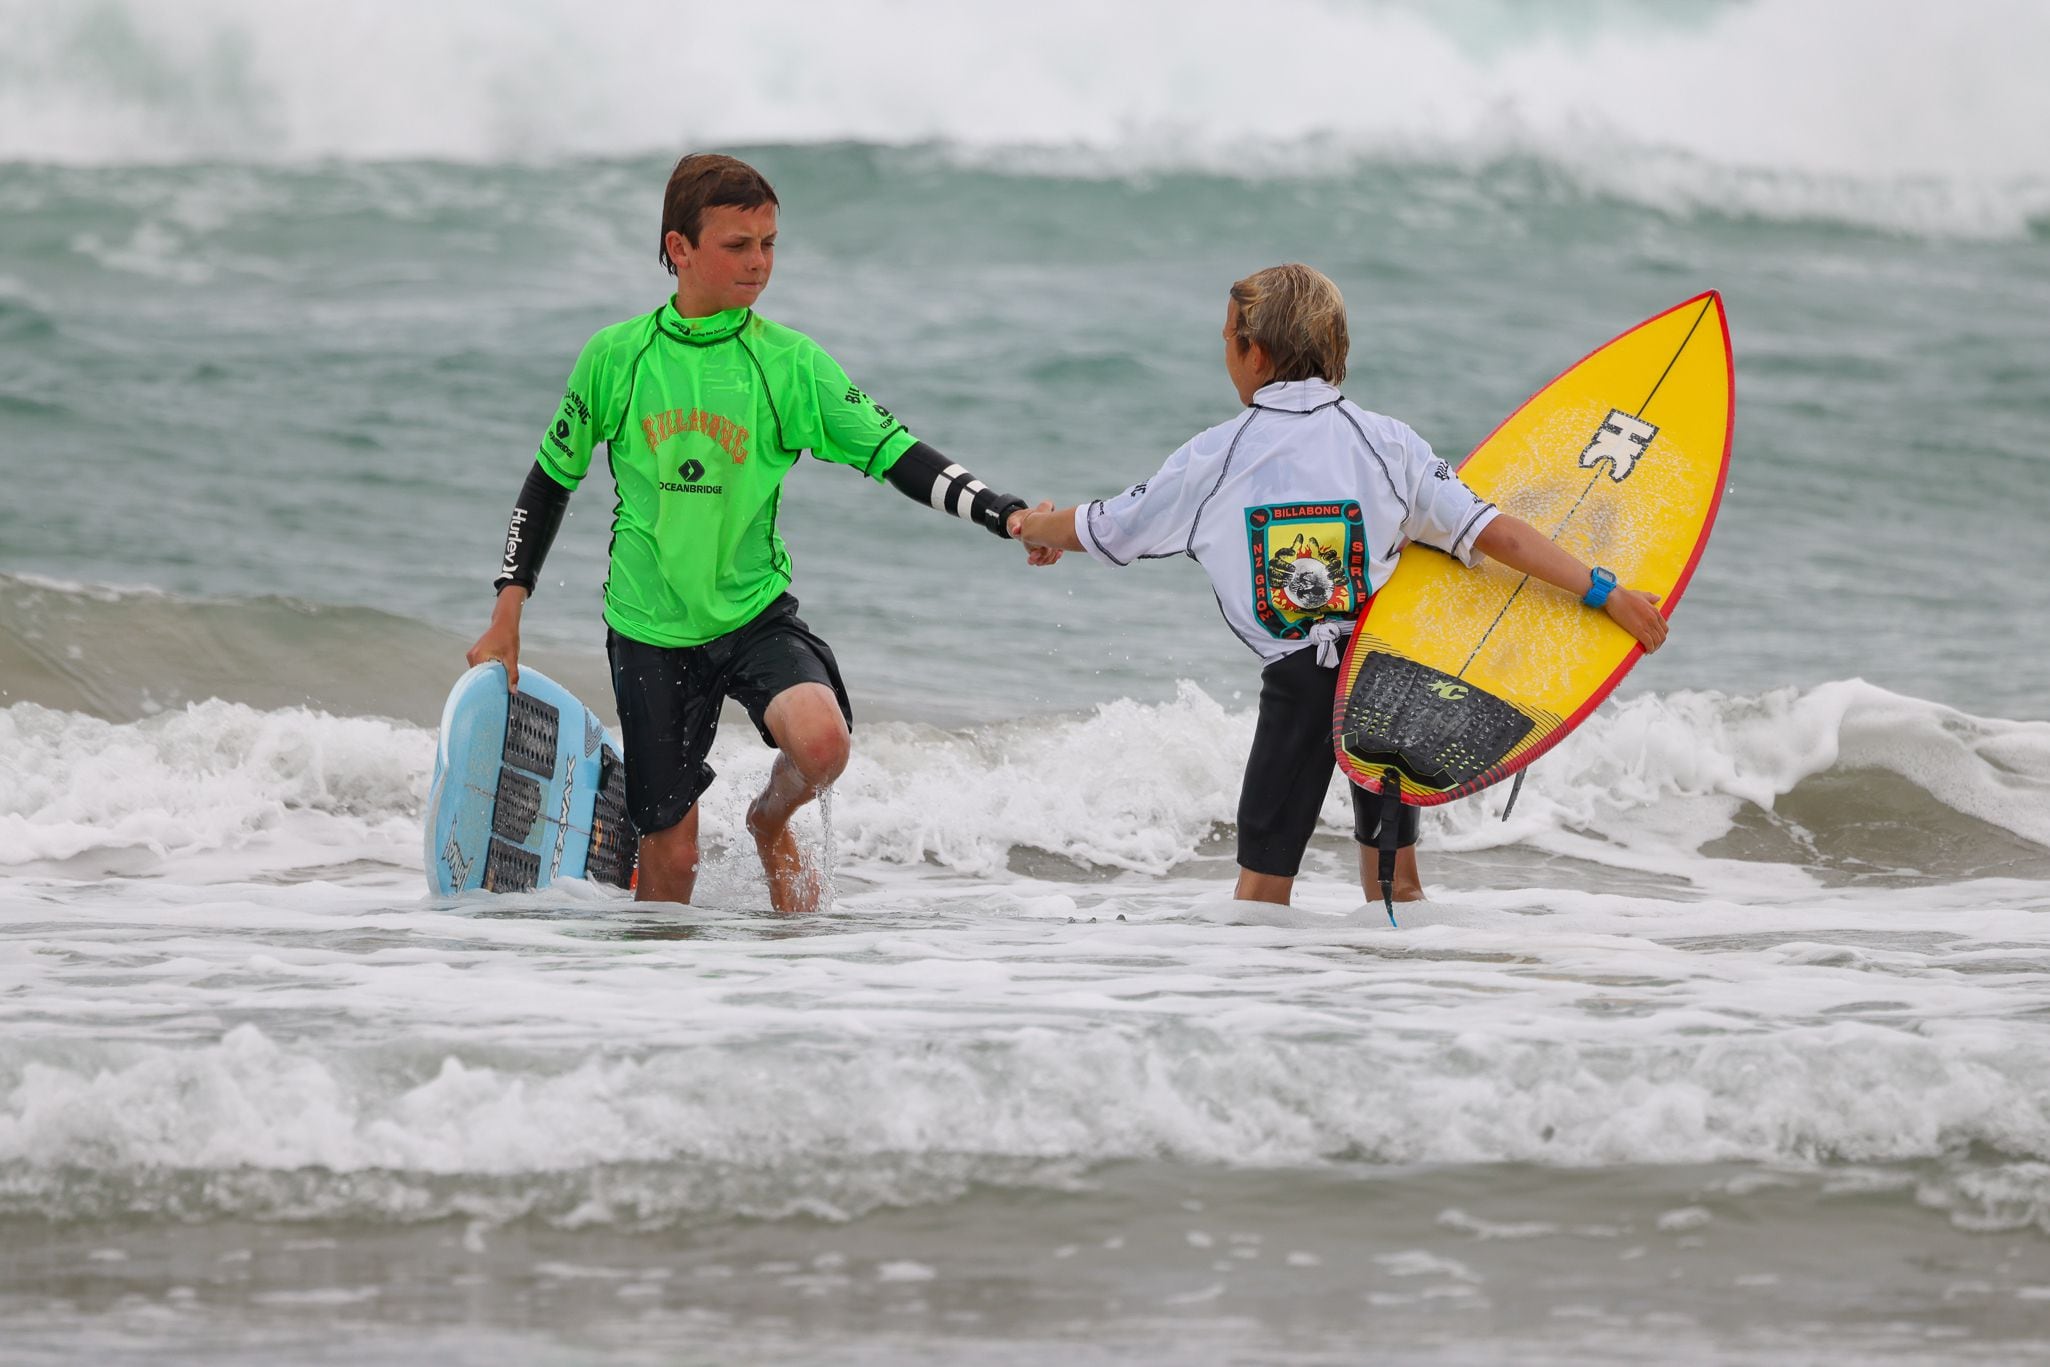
<point x="1457" y="678"/>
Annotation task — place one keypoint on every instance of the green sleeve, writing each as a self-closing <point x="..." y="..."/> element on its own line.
<point x="566" y="446"/>
<point x="852" y="429"/>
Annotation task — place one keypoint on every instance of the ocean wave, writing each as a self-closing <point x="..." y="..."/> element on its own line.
<point x="205" y="777"/>
<point x="1844" y="780"/>
<point x="252" y="1126"/>
<point x="25" y="323"/>
<point x="1910" y="115"/>
<point x="122" y="653"/>
<point x="1817" y="768"/>
<point x="1648" y="782"/>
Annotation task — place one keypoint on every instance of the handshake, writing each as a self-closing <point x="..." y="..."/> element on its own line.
<point x="1043" y="532"/>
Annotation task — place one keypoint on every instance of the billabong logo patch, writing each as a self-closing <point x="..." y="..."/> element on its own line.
<point x="1309" y="561"/>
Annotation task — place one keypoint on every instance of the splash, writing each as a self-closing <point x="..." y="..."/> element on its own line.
<point x="1650" y="782"/>
<point x="1788" y="105"/>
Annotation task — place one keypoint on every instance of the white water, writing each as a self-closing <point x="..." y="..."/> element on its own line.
<point x="1644" y="785"/>
<point x="223" y="992"/>
<point x="1903" y="114"/>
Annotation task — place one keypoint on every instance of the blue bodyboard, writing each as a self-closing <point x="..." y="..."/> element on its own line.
<point x="528" y="787"/>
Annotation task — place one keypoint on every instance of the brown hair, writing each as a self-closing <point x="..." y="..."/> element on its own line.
<point x="706" y="180"/>
<point x="1298" y="316"/>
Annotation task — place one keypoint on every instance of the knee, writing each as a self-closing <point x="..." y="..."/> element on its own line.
<point x="811" y="732"/>
<point x="820" y="755"/>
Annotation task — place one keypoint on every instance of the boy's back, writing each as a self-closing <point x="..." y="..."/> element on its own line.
<point x="1297" y="509"/>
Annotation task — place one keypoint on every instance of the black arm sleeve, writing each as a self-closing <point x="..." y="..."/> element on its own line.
<point x="924" y="474"/>
<point x="532" y="530"/>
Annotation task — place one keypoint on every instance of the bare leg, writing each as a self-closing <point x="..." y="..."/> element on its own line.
<point x="1263" y="887"/>
<point x="669" y="862"/>
<point x="1409" y="885"/>
<point x="811" y="736"/>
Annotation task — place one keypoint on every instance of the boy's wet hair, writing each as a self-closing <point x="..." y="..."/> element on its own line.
<point x="706" y="180"/>
<point x="1298" y="315"/>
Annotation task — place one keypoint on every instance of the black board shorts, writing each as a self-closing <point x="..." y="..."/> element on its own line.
<point x="1290" y="768"/>
<point x="669" y="699"/>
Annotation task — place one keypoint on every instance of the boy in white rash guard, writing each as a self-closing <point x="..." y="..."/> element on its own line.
<point x="1298" y="508"/>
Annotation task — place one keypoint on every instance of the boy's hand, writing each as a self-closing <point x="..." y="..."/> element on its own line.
<point x="1036" y="552"/>
<point x="1638" y="614"/>
<point x="501" y="640"/>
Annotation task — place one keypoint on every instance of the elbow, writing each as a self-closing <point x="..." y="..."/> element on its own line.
<point x="1501" y="537"/>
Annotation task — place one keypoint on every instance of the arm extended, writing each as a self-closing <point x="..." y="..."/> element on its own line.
<point x="1521" y="547"/>
<point x="920" y="473"/>
<point x="925" y="476"/>
<point x="1048" y="527"/>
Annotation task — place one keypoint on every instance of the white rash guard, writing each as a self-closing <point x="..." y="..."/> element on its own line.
<point x="1297" y="508"/>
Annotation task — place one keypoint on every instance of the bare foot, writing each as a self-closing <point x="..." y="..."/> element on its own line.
<point x="1408" y="883"/>
<point x="794" y="885"/>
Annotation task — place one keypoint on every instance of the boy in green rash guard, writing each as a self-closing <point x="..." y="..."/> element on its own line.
<point x="703" y="407"/>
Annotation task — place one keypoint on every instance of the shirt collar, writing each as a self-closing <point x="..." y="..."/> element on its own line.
<point x="716" y="328"/>
<point x="1296" y="396"/>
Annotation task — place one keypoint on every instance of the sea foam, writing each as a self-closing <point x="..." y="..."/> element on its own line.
<point x="1907" y="115"/>
<point x="256" y="1126"/>
<point x="1126" y="786"/>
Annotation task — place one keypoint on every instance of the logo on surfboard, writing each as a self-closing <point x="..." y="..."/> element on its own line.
<point x="1620" y="440"/>
<point x="1309" y="561"/>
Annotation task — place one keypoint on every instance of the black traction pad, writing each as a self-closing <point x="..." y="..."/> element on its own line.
<point x="1440" y="731"/>
<point x="531" y="728"/>
<point x="508" y="868"/>
<point x="614" y="847"/>
<point x="515" y="807"/>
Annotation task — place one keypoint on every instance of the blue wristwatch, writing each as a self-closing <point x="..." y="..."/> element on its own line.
<point x="1598" y="591"/>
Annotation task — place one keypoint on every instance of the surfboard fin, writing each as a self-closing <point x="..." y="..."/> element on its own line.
<point x="1391" y="832"/>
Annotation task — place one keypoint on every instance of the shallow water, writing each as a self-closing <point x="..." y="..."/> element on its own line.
<point x="1728" y="1045"/>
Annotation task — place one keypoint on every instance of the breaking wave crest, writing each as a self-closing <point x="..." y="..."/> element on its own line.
<point x="1831" y="779"/>
<point x="1908" y="116"/>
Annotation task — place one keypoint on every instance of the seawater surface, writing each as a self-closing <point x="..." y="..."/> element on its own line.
<point x="1728" y="1044"/>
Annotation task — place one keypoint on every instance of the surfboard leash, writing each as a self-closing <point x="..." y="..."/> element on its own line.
<point x="1514" y="789"/>
<point x="1390" y="833"/>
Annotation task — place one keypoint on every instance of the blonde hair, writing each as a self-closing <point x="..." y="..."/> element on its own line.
<point x="1298" y="316"/>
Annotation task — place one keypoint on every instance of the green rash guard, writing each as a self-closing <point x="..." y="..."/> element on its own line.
<point x="701" y="419"/>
